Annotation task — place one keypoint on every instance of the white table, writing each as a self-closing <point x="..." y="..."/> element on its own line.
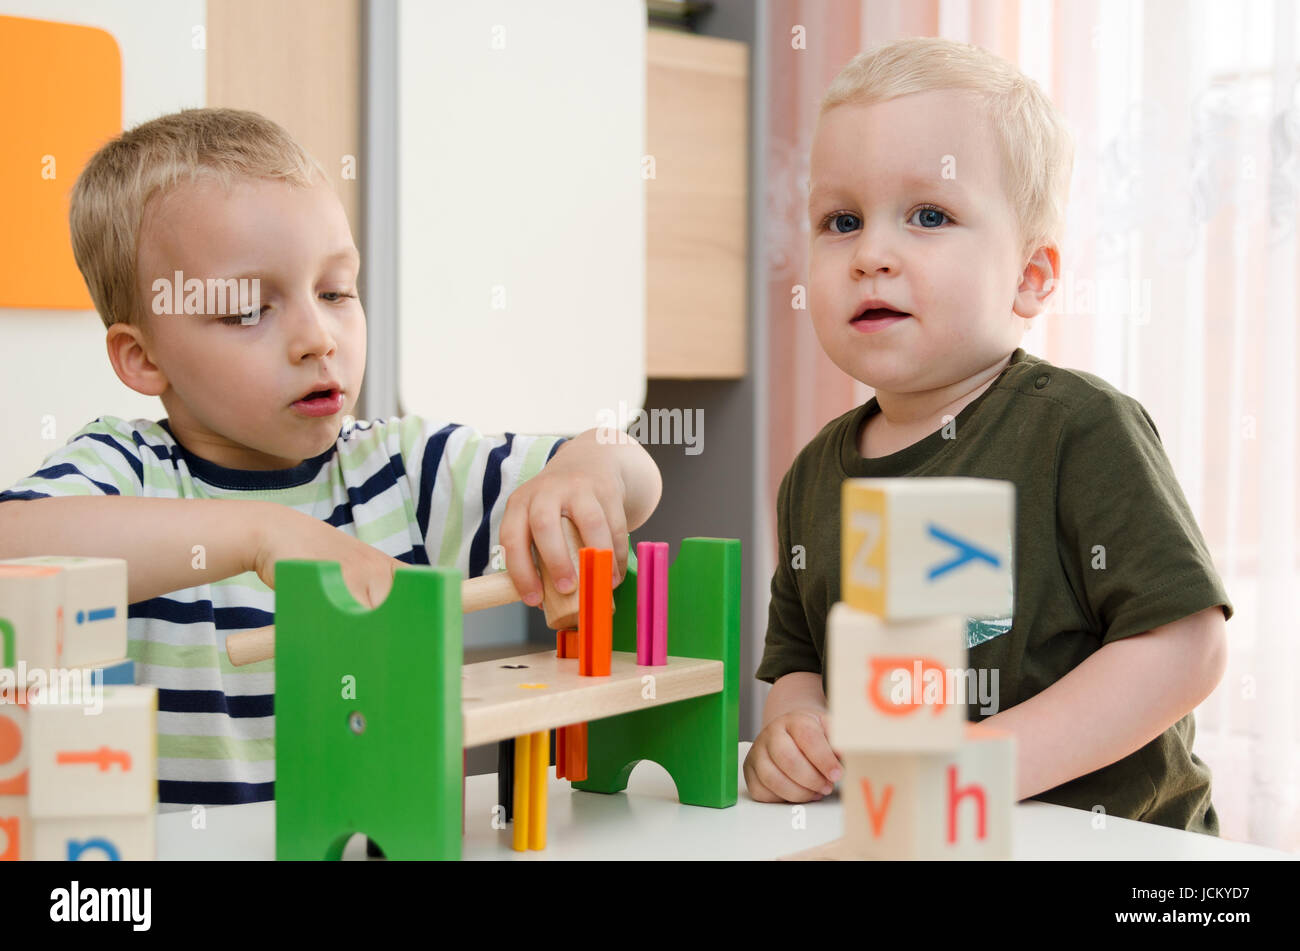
<point x="647" y="822"/>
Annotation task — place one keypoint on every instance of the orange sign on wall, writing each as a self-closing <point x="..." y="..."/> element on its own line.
<point x="62" y="100"/>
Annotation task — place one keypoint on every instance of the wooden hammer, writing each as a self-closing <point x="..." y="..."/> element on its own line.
<point x="476" y="594"/>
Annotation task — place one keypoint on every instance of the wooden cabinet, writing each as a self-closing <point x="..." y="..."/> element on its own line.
<point x="697" y="92"/>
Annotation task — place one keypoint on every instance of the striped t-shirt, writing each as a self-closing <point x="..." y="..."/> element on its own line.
<point x="424" y="492"/>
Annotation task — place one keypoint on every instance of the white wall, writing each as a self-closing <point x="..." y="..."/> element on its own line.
<point x="521" y="128"/>
<point x="53" y="362"/>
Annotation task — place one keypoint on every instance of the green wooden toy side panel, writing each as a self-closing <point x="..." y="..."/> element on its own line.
<point x="399" y="780"/>
<point x="695" y="740"/>
<point x="7" y="640"/>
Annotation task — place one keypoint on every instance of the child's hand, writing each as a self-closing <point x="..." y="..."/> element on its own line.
<point x="604" y="488"/>
<point x="791" y="760"/>
<point x="287" y="533"/>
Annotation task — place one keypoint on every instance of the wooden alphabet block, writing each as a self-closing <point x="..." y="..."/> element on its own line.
<point x="30" y="615"/>
<point x="895" y="685"/>
<point x="15" y="829"/>
<point x="114" y="675"/>
<point x="954" y="805"/>
<point x="87" y="763"/>
<point x="916" y="547"/>
<point x="89" y="617"/>
<point x="15" y="744"/>
<point x="89" y="838"/>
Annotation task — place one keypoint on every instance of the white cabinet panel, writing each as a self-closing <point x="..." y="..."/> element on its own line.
<point x="521" y="207"/>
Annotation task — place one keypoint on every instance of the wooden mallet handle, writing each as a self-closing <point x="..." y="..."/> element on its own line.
<point x="476" y="594"/>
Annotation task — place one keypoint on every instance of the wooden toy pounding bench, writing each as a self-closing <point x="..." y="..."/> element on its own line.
<point x="374" y="707"/>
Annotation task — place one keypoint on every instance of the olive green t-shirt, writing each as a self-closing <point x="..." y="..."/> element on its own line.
<point x="1105" y="547"/>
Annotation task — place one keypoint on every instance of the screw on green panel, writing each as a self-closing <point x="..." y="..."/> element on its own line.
<point x="368" y="714"/>
<point x="695" y="740"/>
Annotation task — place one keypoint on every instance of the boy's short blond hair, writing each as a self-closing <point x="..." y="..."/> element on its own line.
<point x="109" y="199"/>
<point x="1037" y="150"/>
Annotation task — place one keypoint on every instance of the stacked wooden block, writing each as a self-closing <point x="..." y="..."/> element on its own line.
<point x="78" y="745"/>
<point x="919" y="556"/>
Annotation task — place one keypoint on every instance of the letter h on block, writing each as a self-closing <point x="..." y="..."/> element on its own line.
<point x="954" y="805"/>
<point x="919" y="547"/>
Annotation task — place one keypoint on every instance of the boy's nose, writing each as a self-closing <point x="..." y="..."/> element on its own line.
<point x="872" y="253"/>
<point x="312" y="333"/>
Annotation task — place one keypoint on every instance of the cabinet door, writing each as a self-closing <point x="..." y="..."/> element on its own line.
<point x="698" y="90"/>
<point x="522" y="214"/>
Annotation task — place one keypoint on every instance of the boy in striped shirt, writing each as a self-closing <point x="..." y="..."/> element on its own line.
<point x="257" y="459"/>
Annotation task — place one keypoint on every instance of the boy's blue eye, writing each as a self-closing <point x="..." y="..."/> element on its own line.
<point x="839" y="216"/>
<point x="932" y="213"/>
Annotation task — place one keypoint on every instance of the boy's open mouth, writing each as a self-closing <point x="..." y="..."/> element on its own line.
<point x="879" y="313"/>
<point x="322" y="402"/>
<point x="325" y="391"/>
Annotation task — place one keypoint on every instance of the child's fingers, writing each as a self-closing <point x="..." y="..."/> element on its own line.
<point x="810" y="736"/>
<point x="757" y="791"/>
<point x="616" y="519"/>
<point x="591" y="522"/>
<point x="785" y="771"/>
<point x="789" y="753"/>
<point x="552" y="552"/>
<point x="514" y="538"/>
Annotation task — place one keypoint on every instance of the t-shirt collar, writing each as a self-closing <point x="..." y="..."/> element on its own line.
<point x="906" y="460"/>
<point x="225" y="477"/>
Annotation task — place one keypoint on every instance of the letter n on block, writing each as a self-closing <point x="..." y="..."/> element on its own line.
<point x="918" y="547"/>
<point x="931" y="806"/>
<point x="895" y="685"/>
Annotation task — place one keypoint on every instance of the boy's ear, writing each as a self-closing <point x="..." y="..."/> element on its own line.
<point x="131" y="362"/>
<point x="1041" y="275"/>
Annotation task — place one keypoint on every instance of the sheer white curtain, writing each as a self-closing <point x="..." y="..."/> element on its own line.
<point x="1182" y="227"/>
<point x="1178" y="287"/>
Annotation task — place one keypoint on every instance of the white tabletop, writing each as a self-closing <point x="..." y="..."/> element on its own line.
<point x="647" y="822"/>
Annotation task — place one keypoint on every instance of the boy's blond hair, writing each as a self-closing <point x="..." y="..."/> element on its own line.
<point x="109" y="199"/>
<point x="1037" y="150"/>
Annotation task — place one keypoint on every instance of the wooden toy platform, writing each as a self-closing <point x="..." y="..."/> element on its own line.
<point x="513" y="696"/>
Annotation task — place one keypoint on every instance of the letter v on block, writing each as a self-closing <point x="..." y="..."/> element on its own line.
<point x="876" y="815"/>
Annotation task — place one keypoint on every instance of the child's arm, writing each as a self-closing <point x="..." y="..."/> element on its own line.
<point x="1119" y="699"/>
<point x="606" y="485"/>
<point x="801" y="690"/>
<point x="157" y="538"/>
